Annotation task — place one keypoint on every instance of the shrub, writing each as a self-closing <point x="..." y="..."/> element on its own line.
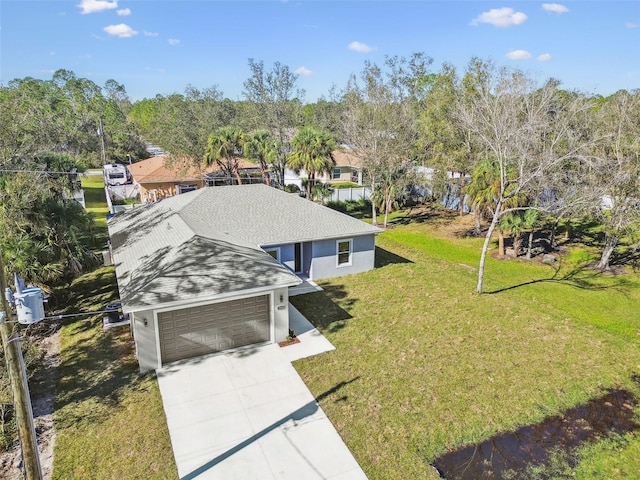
<point x="292" y="188"/>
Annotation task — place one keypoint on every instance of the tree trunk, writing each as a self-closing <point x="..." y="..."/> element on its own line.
<point x="374" y="213"/>
<point x="552" y="234"/>
<point x="500" y="243"/>
<point x="387" y="207"/>
<point x="310" y="182"/>
<point x="477" y="218"/>
<point x="264" y="170"/>
<point x="530" y="245"/>
<point x="462" y="194"/>
<point x="610" y="243"/>
<point x="485" y="246"/>
<point x="517" y="244"/>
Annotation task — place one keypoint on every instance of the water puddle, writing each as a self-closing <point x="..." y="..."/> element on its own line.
<point x="509" y="454"/>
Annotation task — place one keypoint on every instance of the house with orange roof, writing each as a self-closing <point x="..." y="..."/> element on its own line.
<point x="160" y="177"/>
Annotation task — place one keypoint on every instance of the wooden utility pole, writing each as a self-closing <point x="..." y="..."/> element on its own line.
<point x="19" y="388"/>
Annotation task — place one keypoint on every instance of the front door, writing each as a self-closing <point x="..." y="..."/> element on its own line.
<point x="297" y="257"/>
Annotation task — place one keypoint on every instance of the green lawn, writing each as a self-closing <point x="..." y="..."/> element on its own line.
<point x="109" y="420"/>
<point x="96" y="203"/>
<point x="423" y="364"/>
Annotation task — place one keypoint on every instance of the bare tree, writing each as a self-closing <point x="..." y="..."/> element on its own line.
<point x="619" y="121"/>
<point x="379" y="119"/>
<point x="525" y="129"/>
<point x="275" y="104"/>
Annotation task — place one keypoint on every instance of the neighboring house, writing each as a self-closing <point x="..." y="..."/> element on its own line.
<point x="158" y="179"/>
<point x="348" y="169"/>
<point x="210" y="270"/>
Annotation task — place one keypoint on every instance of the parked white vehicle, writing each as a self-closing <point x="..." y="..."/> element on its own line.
<point x="116" y="174"/>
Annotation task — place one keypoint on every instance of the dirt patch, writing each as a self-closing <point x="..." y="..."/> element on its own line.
<point x="42" y="389"/>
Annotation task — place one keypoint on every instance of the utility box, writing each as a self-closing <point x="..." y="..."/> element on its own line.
<point x="114" y="312"/>
<point x="29" y="305"/>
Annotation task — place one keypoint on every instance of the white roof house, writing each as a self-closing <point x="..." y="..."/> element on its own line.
<point x="221" y="249"/>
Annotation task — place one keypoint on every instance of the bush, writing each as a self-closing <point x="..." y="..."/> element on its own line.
<point x="292" y="188"/>
<point x="345" y="185"/>
<point x="356" y="208"/>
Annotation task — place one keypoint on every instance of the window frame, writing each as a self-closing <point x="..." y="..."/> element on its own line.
<point x="349" y="252"/>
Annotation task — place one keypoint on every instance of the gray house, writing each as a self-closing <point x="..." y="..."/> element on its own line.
<point x="210" y="270"/>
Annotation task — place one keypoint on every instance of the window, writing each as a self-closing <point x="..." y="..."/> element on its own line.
<point x="274" y="252"/>
<point x="335" y="174"/>
<point x="184" y="188"/>
<point x="344" y="252"/>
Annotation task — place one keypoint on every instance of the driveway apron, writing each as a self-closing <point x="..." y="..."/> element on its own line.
<point x="247" y="414"/>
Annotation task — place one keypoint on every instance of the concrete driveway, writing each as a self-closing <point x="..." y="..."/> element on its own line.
<point x="248" y="415"/>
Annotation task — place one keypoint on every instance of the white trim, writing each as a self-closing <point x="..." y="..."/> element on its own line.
<point x="211" y="299"/>
<point x="157" y="335"/>
<point x="350" y="262"/>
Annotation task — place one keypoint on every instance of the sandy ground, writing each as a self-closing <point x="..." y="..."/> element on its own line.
<point x="43" y="394"/>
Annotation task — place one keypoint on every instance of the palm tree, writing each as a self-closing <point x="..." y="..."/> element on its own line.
<point x="312" y="152"/>
<point x="484" y="195"/>
<point x="483" y="190"/>
<point x="224" y="148"/>
<point x="263" y="147"/>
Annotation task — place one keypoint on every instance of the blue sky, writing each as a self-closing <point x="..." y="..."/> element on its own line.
<point x="161" y="46"/>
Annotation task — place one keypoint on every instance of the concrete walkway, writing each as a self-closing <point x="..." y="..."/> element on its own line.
<point x="248" y="415"/>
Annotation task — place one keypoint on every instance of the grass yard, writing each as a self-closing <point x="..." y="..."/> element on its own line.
<point x="109" y="420"/>
<point x="96" y="203"/>
<point x="424" y="365"/>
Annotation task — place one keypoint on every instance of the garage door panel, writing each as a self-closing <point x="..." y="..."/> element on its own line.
<point x="212" y="328"/>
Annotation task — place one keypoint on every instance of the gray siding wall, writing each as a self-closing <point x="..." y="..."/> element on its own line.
<point x="325" y="261"/>
<point x="145" y="340"/>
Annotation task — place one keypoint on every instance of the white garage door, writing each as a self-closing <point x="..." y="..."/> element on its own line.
<point x="195" y="331"/>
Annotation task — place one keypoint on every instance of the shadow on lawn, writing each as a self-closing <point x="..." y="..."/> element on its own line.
<point x="581" y="276"/>
<point x="534" y="447"/>
<point x="325" y="310"/>
<point x="385" y="257"/>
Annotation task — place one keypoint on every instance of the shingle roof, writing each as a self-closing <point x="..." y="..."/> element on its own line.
<point x="208" y="242"/>
<point x="345" y="158"/>
<point x="155" y="169"/>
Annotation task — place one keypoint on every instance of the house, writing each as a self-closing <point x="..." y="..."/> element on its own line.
<point x="210" y="270"/>
<point x="348" y="168"/>
<point x="158" y="178"/>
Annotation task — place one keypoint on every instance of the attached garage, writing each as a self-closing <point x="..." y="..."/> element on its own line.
<point x="195" y="331"/>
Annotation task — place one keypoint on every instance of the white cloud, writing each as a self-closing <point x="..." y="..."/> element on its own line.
<point x="555" y="8"/>
<point x="52" y="53"/>
<point x="304" y="71"/>
<point x="360" y="47"/>
<point x="125" y="12"/>
<point x="149" y="34"/>
<point x="518" y="55"/>
<point x="121" y="30"/>
<point x="174" y="41"/>
<point x="93" y="6"/>
<point x="545" y="57"/>
<point x="632" y="25"/>
<point x="500" y="17"/>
